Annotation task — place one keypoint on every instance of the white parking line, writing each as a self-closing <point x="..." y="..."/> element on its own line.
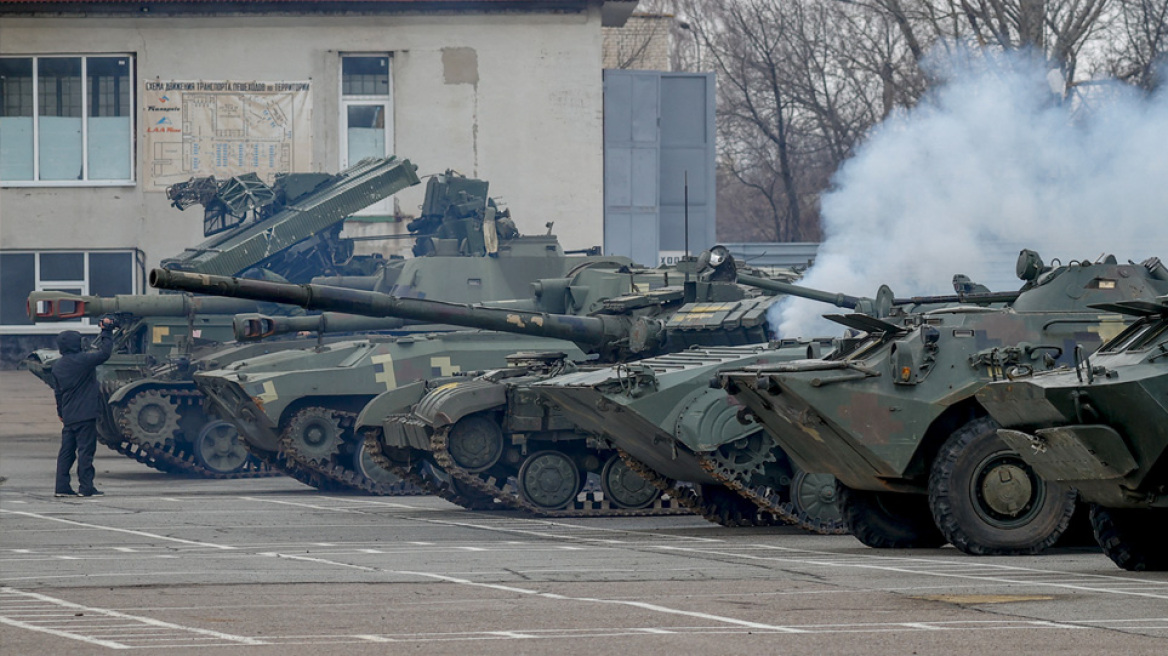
<point x="546" y="595"/>
<point x="154" y="536"/>
<point x="66" y="624"/>
<point x="990" y="571"/>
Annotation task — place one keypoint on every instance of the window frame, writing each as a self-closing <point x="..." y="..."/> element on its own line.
<point x="41" y="285"/>
<point x="383" y="207"/>
<point x="85" y="116"/>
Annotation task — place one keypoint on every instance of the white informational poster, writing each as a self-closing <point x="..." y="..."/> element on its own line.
<point x="224" y="128"/>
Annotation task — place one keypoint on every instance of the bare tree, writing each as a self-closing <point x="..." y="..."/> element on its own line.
<point x="1139" y="53"/>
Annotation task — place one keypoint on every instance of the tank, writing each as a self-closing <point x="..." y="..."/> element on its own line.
<point x="356" y="371"/>
<point x="705" y="309"/>
<point x="896" y="418"/>
<point x="1101" y="427"/>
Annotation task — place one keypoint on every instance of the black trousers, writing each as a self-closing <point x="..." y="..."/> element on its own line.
<point x="78" y="444"/>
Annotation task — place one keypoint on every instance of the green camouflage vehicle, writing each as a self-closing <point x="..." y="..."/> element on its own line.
<point x="665" y="416"/>
<point x="1102" y="428"/>
<point x="289" y="231"/>
<point x="662" y="415"/>
<point x="650" y="316"/>
<point x="302" y="403"/>
<point x="896" y="419"/>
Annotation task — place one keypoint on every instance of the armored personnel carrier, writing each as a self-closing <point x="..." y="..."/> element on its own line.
<point x="663" y="412"/>
<point x="896" y="420"/>
<point x="656" y="314"/>
<point x="1101" y="426"/>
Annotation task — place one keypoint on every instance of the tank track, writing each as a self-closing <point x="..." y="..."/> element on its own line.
<point x="507" y="494"/>
<point x="710" y="509"/>
<point x="169" y="457"/>
<point x="769" y="501"/>
<point x="337" y="477"/>
<point x="415" y="473"/>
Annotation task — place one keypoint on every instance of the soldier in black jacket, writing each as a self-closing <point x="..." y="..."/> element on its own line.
<point x="78" y="405"/>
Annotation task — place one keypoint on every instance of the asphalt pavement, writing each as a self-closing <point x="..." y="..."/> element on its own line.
<point x="180" y="565"/>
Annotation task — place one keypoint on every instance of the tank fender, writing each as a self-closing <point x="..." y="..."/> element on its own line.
<point x="396" y="400"/>
<point x="449" y="403"/>
<point x="126" y="391"/>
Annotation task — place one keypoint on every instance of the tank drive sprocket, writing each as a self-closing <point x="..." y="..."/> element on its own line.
<point x="315" y="434"/>
<point x="744" y="457"/>
<point x="153" y="417"/>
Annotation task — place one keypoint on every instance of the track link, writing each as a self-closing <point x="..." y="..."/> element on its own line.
<point x="169" y="457"/>
<point x="338" y="477"/>
<point x="712" y="509"/>
<point x="769" y="501"/>
<point x="506" y="493"/>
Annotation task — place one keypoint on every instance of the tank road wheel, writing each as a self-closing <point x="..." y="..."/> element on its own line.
<point x="218" y="448"/>
<point x="316" y="434"/>
<point x="153" y="417"/>
<point x="888" y="520"/>
<point x="364" y="465"/>
<point x="987" y="501"/>
<point x="624" y="487"/>
<point x="549" y="479"/>
<point x="1134" y="539"/>
<point x="814" y="496"/>
<point x="475" y="443"/>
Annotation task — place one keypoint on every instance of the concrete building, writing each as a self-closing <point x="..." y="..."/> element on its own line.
<point x="103" y="104"/>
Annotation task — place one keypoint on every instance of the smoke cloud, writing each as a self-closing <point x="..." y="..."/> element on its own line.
<point x="989" y="163"/>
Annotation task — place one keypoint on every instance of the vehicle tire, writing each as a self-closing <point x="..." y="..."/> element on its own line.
<point x="1133" y="539"/>
<point x="889" y="520"/>
<point x="987" y="501"/>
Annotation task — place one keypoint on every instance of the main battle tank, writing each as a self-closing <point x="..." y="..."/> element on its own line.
<point x="668" y="419"/>
<point x="896" y="420"/>
<point x="658" y="312"/>
<point x="309" y="397"/>
<point x="1102" y="428"/>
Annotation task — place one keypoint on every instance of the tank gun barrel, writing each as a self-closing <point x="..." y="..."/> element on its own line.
<point x="586" y="331"/>
<point x="252" y="326"/>
<point x="838" y="300"/>
<point x="62" y="306"/>
<point x="974" y="298"/>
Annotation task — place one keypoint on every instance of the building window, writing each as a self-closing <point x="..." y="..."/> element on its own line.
<point x="66" y="120"/>
<point x="93" y="273"/>
<point x="366" y="114"/>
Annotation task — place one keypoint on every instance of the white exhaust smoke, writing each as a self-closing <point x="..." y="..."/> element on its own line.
<point x="990" y="163"/>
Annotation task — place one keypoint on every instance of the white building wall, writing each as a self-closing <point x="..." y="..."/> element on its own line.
<point x="530" y="124"/>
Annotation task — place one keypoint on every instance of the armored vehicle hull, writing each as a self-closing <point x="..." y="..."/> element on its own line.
<point x="299" y="406"/>
<point x="663" y="413"/>
<point x="1102" y="428"/>
<point x="897" y="421"/>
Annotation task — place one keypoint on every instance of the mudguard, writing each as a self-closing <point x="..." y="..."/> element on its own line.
<point x="449" y="403"/>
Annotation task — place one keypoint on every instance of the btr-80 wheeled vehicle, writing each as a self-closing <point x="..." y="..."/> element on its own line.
<point x="1101" y="427"/>
<point x="896" y="419"/>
